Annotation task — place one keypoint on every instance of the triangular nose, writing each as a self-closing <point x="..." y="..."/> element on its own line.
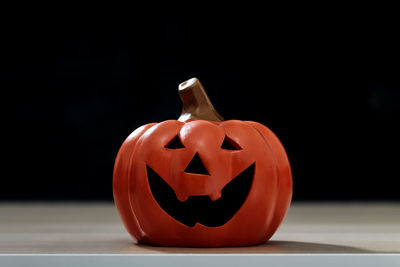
<point x="196" y="166"/>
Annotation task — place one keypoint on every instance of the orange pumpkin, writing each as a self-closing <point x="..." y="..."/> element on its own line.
<point x="200" y="181"/>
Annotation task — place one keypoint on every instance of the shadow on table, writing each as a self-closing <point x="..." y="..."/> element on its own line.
<point x="269" y="247"/>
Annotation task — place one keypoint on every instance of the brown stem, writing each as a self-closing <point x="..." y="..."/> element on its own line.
<point x="196" y="104"/>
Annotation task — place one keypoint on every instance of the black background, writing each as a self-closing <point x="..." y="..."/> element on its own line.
<point x="76" y="81"/>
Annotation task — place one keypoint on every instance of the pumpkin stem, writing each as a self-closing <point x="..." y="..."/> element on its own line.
<point x="196" y="104"/>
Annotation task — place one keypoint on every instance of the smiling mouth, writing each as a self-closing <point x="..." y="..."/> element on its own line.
<point x="201" y="209"/>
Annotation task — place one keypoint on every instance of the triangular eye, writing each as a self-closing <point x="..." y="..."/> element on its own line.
<point x="175" y="143"/>
<point x="229" y="144"/>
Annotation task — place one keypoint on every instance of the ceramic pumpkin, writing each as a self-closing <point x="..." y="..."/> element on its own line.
<point x="200" y="181"/>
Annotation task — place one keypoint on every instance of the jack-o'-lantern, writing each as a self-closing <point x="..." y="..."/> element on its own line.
<point x="200" y="181"/>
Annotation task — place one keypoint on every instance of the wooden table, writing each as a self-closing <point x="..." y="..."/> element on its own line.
<point x="81" y="234"/>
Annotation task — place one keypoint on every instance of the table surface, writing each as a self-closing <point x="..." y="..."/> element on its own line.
<point x="95" y="228"/>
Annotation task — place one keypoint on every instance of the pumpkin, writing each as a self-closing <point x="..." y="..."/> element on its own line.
<point x="200" y="181"/>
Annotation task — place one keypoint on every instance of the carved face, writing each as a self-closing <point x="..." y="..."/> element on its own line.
<point x="209" y="210"/>
<point x="202" y="183"/>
